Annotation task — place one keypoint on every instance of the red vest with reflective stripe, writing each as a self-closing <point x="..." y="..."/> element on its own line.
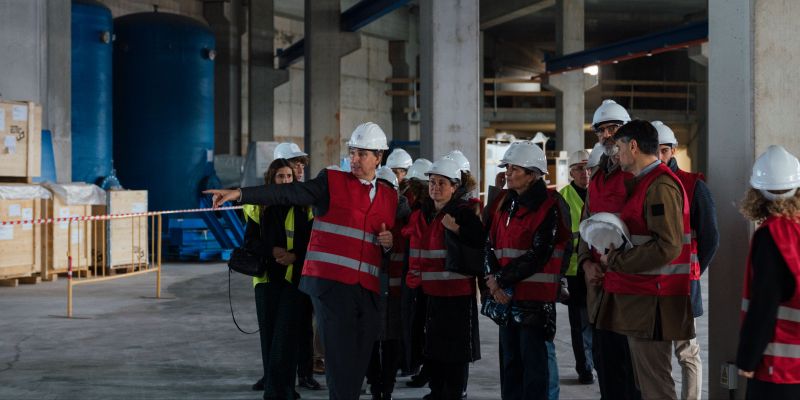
<point x="607" y="193"/>
<point x="426" y="259"/>
<point x="667" y="280"/>
<point x="397" y="259"/>
<point x="781" y="360"/>
<point x="689" y="181"/>
<point x="511" y="238"/>
<point x="343" y="245"/>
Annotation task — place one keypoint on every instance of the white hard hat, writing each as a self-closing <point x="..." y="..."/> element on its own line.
<point x="399" y="159"/>
<point x="665" y="134"/>
<point x="334" y="167"/>
<point x="594" y="156"/>
<point x="526" y="155"/>
<point x="610" y="111"/>
<point x="460" y="159"/>
<point x="578" y="157"/>
<point x="776" y="169"/>
<point x="446" y="168"/>
<point x="287" y="151"/>
<point x="418" y="169"/>
<point x="386" y="174"/>
<point x="368" y="136"/>
<point x="604" y="230"/>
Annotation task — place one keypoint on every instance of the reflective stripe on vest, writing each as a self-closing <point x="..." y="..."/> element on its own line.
<point x="511" y="238"/>
<point x="342" y="247"/>
<point x="667" y="280"/>
<point x="575" y="204"/>
<point x="427" y="256"/>
<point x="780" y="362"/>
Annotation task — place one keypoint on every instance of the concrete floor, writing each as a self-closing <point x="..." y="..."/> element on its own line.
<point x="125" y="344"/>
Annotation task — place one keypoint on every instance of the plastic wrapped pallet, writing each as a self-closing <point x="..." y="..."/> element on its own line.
<point x="21" y="250"/>
<point x="72" y="238"/>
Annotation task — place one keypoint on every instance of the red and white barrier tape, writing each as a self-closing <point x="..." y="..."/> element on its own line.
<point x="42" y="221"/>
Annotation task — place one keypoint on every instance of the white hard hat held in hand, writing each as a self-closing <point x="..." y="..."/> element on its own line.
<point x="594" y="156"/>
<point x="609" y="111"/>
<point x="602" y="231"/>
<point x="460" y="159"/>
<point x="418" y="169"/>
<point x="368" y="136"/>
<point x="399" y="159"/>
<point x="665" y="134"/>
<point x="385" y="173"/>
<point x="776" y="170"/>
<point x="287" y="151"/>
<point x="526" y="155"/>
<point x="446" y="168"/>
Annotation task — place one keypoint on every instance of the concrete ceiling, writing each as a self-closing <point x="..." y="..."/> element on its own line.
<point x="606" y="21"/>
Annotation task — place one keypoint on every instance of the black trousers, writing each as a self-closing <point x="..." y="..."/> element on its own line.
<point x="348" y="322"/>
<point x="448" y="379"/>
<point x="581" y="333"/>
<point x="305" y="348"/>
<point x="757" y="390"/>
<point x="277" y="305"/>
<point x="415" y="353"/>
<point x="612" y="360"/>
<point x="525" y="372"/>
<point x="383" y="366"/>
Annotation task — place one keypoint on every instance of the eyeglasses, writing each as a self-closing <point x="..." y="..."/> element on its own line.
<point x="611" y="128"/>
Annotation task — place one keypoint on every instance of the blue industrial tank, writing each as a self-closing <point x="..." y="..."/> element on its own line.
<point x="92" y="29"/>
<point x="163" y="106"/>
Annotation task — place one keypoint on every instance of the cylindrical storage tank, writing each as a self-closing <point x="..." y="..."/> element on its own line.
<point x="163" y="106"/>
<point x="92" y="29"/>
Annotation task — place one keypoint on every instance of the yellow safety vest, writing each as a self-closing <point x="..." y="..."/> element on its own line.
<point x="288" y="224"/>
<point x="575" y="203"/>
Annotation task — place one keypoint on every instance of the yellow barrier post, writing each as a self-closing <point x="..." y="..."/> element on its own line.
<point x="69" y="271"/>
<point x="158" y="272"/>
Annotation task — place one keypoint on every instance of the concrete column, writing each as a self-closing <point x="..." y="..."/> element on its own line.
<point x="263" y="77"/>
<point x="224" y="17"/>
<point x="325" y="45"/>
<point x="752" y="104"/>
<point x="450" y="79"/>
<point x="570" y="86"/>
<point x="397" y="58"/>
<point x="35" y="62"/>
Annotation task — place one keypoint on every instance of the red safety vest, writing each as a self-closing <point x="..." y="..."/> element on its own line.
<point x="781" y="360"/>
<point x="607" y="193"/>
<point x="671" y="279"/>
<point x="512" y="237"/>
<point x="426" y="259"/>
<point x="343" y="245"/>
<point x="689" y="181"/>
<point x="397" y="259"/>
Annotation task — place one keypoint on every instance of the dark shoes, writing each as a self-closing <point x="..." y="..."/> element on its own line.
<point x="319" y="366"/>
<point x="586" y="378"/>
<point x="259" y="386"/>
<point x="418" y="381"/>
<point x="308" y="382"/>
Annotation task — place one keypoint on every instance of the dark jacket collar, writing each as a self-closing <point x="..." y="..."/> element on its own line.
<point x="531" y="198"/>
<point x="673" y="164"/>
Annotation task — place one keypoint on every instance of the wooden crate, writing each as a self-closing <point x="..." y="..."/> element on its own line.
<point x="126" y="242"/>
<point x="76" y="236"/>
<point x="20" y="139"/>
<point x="20" y="245"/>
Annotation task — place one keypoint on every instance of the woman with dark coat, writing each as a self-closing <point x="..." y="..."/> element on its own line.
<point x="451" y="324"/>
<point x="283" y="233"/>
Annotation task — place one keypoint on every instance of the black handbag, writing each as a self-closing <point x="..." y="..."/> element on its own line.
<point x="536" y="315"/>
<point x="245" y="262"/>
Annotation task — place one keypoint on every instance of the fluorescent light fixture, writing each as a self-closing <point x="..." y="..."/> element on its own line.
<point x="591" y="70"/>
